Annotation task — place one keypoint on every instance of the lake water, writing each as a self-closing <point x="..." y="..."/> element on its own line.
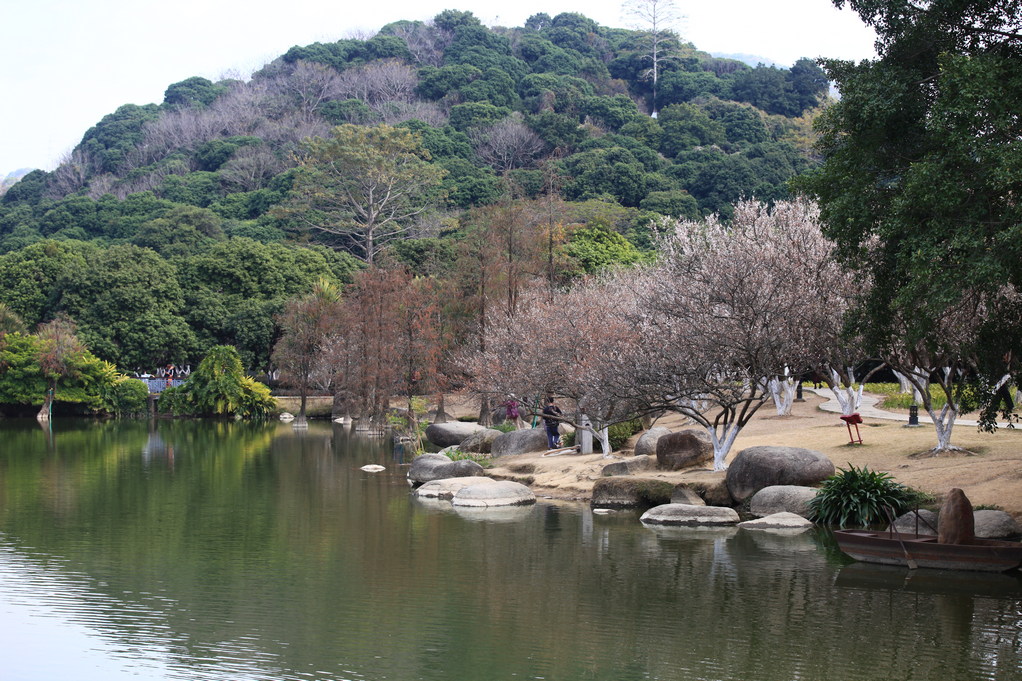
<point x="239" y="552"/>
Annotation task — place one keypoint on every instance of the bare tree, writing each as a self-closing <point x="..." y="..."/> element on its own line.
<point x="426" y="43"/>
<point x="507" y="144"/>
<point x="378" y="81"/>
<point x="249" y="168"/>
<point x="569" y="347"/>
<point x="306" y="323"/>
<point x="59" y="351"/>
<point x="656" y="19"/>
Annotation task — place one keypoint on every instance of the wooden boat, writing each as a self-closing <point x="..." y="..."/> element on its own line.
<point x="914" y="550"/>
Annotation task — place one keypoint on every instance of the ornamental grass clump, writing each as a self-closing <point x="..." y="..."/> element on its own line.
<point x="859" y="497"/>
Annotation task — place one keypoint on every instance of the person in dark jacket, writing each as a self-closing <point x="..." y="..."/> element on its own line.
<point x="550" y="413"/>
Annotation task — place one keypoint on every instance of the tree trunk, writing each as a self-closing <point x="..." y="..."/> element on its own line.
<point x="441" y="411"/>
<point x="485" y="411"/>
<point x="783" y="393"/>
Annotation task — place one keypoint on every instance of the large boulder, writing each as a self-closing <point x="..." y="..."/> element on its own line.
<point x="782" y="499"/>
<point x="685" y="514"/>
<point x="923" y="523"/>
<point x="519" y="442"/>
<point x="757" y="467"/>
<point x="684" y="449"/>
<point x="451" y="433"/>
<point x="992" y="524"/>
<point x="481" y="441"/>
<point x="437" y="467"/>
<point x="500" y="493"/>
<point x="646" y="444"/>
<point x="629" y="466"/>
<point x="630" y="493"/>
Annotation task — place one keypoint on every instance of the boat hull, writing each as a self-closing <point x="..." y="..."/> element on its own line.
<point x="984" y="555"/>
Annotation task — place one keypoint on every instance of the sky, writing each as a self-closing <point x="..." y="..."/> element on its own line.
<point x="68" y="63"/>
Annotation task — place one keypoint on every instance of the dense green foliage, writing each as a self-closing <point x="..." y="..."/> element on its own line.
<point x="859" y="497"/>
<point x="167" y="231"/>
<point x="88" y="384"/>
<point x="920" y="180"/>
<point x="219" y="387"/>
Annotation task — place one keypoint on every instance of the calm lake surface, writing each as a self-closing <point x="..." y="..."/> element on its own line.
<point x="238" y="552"/>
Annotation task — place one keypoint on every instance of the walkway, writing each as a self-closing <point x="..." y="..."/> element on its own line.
<point x="868" y="409"/>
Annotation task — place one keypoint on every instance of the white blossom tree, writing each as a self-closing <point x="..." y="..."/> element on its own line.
<point x="727" y="311"/>
<point x="572" y="347"/>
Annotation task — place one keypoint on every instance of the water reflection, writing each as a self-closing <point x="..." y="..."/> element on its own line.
<point x="240" y="551"/>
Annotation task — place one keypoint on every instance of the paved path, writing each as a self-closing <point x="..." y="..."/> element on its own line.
<point x="868" y="409"/>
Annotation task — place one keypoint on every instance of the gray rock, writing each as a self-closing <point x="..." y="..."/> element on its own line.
<point x="629" y="466"/>
<point x="684" y="449"/>
<point x="446" y="488"/>
<point x="907" y="522"/>
<point x="500" y="493"/>
<point x="778" y="521"/>
<point x="519" y="442"/>
<point x="628" y="492"/>
<point x="480" y="441"/>
<point x="782" y="499"/>
<point x="646" y="444"/>
<point x="450" y="433"/>
<point x="437" y="467"/>
<point x="991" y="524"/>
<point x="683" y="494"/>
<point x="687" y="514"/>
<point x="757" y="467"/>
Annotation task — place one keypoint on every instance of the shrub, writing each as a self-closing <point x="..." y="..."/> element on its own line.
<point x="860" y="497"/>
<point x="126" y="397"/>
<point x="219" y="387"/>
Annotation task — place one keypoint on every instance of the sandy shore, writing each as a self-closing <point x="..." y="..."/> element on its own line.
<point x="991" y="476"/>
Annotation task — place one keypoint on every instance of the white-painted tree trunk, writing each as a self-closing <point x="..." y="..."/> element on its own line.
<point x="722" y="445"/>
<point x="904" y="385"/>
<point x="846" y="394"/>
<point x="783" y="393"/>
<point x="944" y="423"/>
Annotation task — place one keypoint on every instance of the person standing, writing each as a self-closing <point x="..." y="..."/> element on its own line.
<point x="513" y="411"/>
<point x="551" y="412"/>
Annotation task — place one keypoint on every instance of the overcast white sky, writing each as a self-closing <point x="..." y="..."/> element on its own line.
<point x="67" y="63"/>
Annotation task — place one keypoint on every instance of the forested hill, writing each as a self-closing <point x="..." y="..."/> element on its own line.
<point x="164" y="234"/>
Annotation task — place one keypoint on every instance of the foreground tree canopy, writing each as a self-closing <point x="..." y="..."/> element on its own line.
<point x="920" y="181"/>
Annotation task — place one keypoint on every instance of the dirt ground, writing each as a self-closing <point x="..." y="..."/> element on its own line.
<point x="990" y="476"/>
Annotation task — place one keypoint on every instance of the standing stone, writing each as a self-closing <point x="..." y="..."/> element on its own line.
<point x="955" y="522"/>
<point x="684" y="449"/>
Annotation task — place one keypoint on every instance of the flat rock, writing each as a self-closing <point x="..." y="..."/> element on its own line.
<point x="451" y="433"/>
<point x="446" y="488"/>
<point x="683" y="494"/>
<point x="757" y="467"/>
<point x="782" y="499"/>
<point x="778" y="521"/>
<point x="629" y="466"/>
<point x="687" y="514"/>
<point x="500" y="493"/>
<point x="519" y="442"/>
<point x="646" y="444"/>
<point x="629" y="492"/>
